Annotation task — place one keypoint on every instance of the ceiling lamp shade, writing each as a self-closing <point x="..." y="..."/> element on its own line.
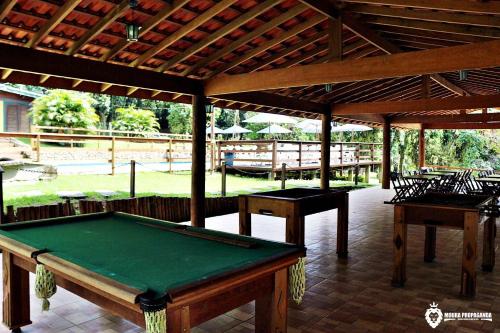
<point x="463" y="75"/>
<point x="132" y="32"/>
<point x="328" y="87"/>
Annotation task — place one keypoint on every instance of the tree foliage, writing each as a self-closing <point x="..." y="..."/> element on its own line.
<point x="63" y="108"/>
<point x="136" y="120"/>
<point x="179" y="118"/>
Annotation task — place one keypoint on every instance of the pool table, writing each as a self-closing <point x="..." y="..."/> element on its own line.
<point x="294" y="204"/>
<point x="124" y="262"/>
<point x="456" y="211"/>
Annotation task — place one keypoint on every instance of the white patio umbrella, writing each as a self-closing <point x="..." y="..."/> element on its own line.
<point x="235" y="129"/>
<point x="312" y="126"/>
<point x="274" y="129"/>
<point x="351" y="128"/>
<point x="216" y="130"/>
<point x="270" y="119"/>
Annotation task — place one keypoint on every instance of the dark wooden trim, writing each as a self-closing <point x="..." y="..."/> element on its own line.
<point x="57" y="65"/>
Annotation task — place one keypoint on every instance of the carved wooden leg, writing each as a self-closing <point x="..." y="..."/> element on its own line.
<point x="271" y="309"/>
<point x="16" y="294"/>
<point x="245" y="217"/>
<point x="178" y="321"/>
<point x="489" y="245"/>
<point x="399" y="247"/>
<point x="430" y="244"/>
<point x="469" y="256"/>
<point x="343" y="227"/>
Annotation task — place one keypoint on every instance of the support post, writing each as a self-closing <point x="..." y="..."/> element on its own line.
<point x="223" y="175"/>
<point x="198" y="162"/>
<point x="2" y="216"/>
<point x="273" y="160"/>
<point x="170" y="155"/>
<point x="38" y="145"/>
<point x="283" y="176"/>
<point x="300" y="161"/>
<point x="386" y="155"/>
<point x="326" y="127"/>
<point x="132" y="178"/>
<point x="113" y="156"/>
<point x="421" y="147"/>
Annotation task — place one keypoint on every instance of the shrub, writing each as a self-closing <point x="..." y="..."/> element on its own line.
<point x="136" y="120"/>
<point x="62" y="108"/>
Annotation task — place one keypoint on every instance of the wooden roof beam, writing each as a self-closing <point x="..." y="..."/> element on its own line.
<point x="183" y="31"/>
<point x="472" y="56"/>
<point x="99" y="27"/>
<point x="57" y="18"/>
<point x="436" y="104"/>
<point x="478" y="7"/>
<point x="57" y="65"/>
<point x="469" y="126"/>
<point x="152" y="22"/>
<point x="226" y="29"/>
<point x="454" y="118"/>
<point x="246" y="38"/>
<point x="6" y="7"/>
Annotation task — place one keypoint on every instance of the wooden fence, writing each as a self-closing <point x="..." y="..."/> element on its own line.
<point x="167" y="209"/>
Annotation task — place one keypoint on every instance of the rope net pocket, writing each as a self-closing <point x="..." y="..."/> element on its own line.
<point x="45" y="285"/>
<point x="297" y="278"/>
<point x="155" y="313"/>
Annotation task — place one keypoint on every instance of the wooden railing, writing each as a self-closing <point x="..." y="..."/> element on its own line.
<point x="107" y="132"/>
<point x="297" y="155"/>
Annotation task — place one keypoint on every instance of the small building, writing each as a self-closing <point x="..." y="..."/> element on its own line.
<point x="14" y="106"/>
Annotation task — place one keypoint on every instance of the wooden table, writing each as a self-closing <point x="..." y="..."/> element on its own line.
<point x="457" y="211"/>
<point x="294" y="205"/>
<point x="124" y="262"/>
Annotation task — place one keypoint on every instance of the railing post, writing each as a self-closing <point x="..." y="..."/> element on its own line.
<point x="219" y="154"/>
<point x="223" y="175"/>
<point x="300" y="160"/>
<point x="38" y="145"/>
<point x="273" y="161"/>
<point x="367" y="174"/>
<point x="356" y="174"/>
<point x="113" y="156"/>
<point x="132" y="178"/>
<point x="212" y="156"/>
<point x="283" y="176"/>
<point x="358" y="152"/>
<point x="2" y="216"/>
<point x="170" y="155"/>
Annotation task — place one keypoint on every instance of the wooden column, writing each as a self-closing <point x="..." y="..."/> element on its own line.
<point x="198" y="162"/>
<point x="421" y="147"/>
<point x="325" y="150"/>
<point x="386" y="155"/>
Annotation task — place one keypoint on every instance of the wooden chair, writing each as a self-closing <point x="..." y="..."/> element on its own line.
<point x="402" y="187"/>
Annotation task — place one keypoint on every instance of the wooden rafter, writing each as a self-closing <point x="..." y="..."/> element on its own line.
<point x="462" y="126"/>
<point x="153" y="21"/>
<point x="57" y="18"/>
<point x="246" y="38"/>
<point x="478" y="7"/>
<point x="183" y="31"/>
<point x="439" y="79"/>
<point x="226" y="29"/>
<point x="479" y="55"/>
<point x="90" y="34"/>
<point x="74" y="68"/>
<point x="443" y="17"/>
<point x="270" y="43"/>
<point x="435" y="104"/>
<point x="454" y="118"/>
<point x="6" y="7"/>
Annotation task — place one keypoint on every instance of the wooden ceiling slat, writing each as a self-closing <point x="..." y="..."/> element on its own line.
<point x="57" y="18"/>
<point x="435" y="35"/>
<point x="434" y="26"/>
<point x="186" y="29"/>
<point x="104" y="22"/>
<point x="296" y="30"/>
<point x="152" y="22"/>
<point x="435" y="16"/>
<point x="226" y="29"/>
<point x="246" y="38"/>
<point x="6" y="7"/>
<point x="478" y="7"/>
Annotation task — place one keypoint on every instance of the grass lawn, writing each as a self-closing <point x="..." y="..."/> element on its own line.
<point x="147" y="183"/>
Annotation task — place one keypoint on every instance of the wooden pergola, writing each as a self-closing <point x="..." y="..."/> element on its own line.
<point x="408" y="63"/>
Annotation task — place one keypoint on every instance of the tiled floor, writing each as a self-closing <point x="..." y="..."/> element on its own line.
<point x="352" y="295"/>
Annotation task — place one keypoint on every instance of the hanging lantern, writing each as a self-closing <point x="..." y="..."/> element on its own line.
<point x="132" y="32"/>
<point x="328" y="87"/>
<point x="463" y="75"/>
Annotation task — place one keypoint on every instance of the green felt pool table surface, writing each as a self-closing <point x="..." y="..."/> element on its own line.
<point x="145" y="257"/>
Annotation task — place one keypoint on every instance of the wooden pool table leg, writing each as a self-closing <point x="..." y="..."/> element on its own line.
<point x="343" y="227"/>
<point x="489" y="244"/>
<point x="271" y="309"/>
<point x="179" y="321"/>
<point x="430" y="243"/>
<point x="16" y="294"/>
<point x="469" y="256"/>
<point x="295" y="228"/>
<point x="399" y="247"/>
<point x="245" y="217"/>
